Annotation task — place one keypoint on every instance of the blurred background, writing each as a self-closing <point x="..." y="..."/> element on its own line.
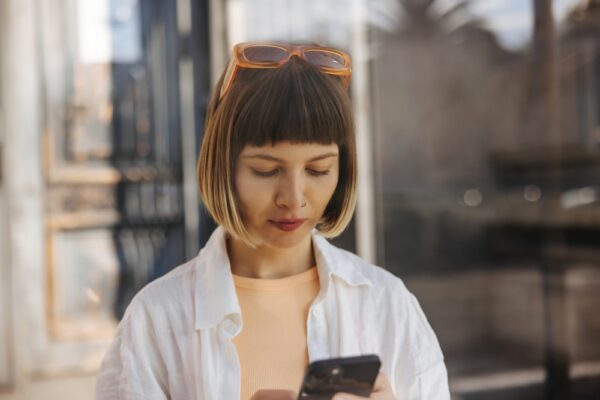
<point x="478" y="128"/>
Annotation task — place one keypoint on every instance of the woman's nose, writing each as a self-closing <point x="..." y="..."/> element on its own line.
<point x="291" y="193"/>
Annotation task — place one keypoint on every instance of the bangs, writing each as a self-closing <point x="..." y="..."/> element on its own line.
<point x="295" y="103"/>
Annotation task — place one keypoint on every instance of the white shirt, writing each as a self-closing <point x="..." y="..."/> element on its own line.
<point x="175" y="339"/>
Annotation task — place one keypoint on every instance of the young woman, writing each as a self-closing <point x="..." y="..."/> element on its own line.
<point x="268" y="293"/>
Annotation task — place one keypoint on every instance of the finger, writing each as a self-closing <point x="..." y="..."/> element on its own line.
<point x="381" y="390"/>
<point x="380" y="383"/>
<point x="375" y="396"/>
<point x="347" y="396"/>
<point x="274" y="394"/>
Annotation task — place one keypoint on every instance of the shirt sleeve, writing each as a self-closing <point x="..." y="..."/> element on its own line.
<point x="133" y="367"/>
<point x="427" y="379"/>
<point x="430" y="385"/>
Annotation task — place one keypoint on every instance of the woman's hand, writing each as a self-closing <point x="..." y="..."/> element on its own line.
<point x="382" y="390"/>
<point x="274" y="394"/>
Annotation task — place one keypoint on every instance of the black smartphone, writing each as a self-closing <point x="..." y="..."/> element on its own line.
<point x="355" y="375"/>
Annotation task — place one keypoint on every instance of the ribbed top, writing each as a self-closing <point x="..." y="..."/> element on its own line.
<point x="272" y="344"/>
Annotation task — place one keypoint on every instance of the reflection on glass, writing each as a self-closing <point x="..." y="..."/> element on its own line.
<point x="86" y="283"/>
<point x="532" y="193"/>
<point x="486" y="130"/>
<point x="473" y="197"/>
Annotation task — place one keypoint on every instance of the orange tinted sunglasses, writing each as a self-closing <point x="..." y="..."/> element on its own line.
<point x="273" y="55"/>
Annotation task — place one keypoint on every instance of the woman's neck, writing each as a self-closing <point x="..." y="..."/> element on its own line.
<point x="267" y="262"/>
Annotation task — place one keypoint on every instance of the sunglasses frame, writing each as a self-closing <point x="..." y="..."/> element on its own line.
<point x="239" y="60"/>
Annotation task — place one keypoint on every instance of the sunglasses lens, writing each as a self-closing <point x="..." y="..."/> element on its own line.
<point x="325" y="58"/>
<point x="264" y="54"/>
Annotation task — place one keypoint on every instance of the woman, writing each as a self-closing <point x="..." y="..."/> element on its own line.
<point x="268" y="293"/>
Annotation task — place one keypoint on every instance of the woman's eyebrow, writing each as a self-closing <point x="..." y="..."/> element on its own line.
<point x="271" y="158"/>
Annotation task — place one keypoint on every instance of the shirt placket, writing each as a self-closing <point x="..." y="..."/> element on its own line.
<point x="233" y="380"/>
<point x="222" y="369"/>
<point x="316" y="332"/>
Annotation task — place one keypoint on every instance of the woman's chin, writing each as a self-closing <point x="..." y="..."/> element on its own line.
<point x="284" y="239"/>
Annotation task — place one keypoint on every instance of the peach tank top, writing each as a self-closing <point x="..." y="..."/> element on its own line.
<point x="272" y="344"/>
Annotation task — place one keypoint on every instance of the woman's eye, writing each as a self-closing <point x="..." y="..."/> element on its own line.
<point x="265" y="173"/>
<point x="317" y="173"/>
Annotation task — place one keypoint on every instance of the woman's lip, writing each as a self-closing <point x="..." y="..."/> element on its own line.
<point x="288" y="225"/>
<point x="288" y="220"/>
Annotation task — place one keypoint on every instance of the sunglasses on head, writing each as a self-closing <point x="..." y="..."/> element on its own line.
<point x="273" y="55"/>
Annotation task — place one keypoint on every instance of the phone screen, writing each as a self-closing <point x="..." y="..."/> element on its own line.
<point x="355" y="375"/>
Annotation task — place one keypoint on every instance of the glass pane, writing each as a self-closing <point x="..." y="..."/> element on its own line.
<point x="325" y="58"/>
<point x="486" y="146"/>
<point x="86" y="276"/>
<point x="112" y="153"/>
<point x="265" y="54"/>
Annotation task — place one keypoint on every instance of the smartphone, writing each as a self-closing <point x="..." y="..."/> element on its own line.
<point x="355" y="375"/>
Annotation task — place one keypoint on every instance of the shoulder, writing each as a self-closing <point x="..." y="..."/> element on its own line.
<point x="379" y="286"/>
<point x="379" y="279"/>
<point x="400" y="318"/>
<point x="166" y="299"/>
<point x="172" y="285"/>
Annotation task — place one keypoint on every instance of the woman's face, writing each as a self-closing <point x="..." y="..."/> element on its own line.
<point x="283" y="189"/>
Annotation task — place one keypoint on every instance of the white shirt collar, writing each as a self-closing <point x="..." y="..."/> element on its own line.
<point x="215" y="296"/>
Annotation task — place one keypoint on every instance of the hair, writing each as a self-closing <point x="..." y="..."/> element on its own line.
<point x="296" y="103"/>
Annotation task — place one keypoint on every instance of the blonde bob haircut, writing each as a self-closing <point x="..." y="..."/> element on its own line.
<point x="294" y="103"/>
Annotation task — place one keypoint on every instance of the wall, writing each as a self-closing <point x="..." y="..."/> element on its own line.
<point x="21" y="188"/>
<point x="5" y="336"/>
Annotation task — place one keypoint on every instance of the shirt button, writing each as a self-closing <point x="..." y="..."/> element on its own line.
<point x="228" y="327"/>
<point x="317" y="312"/>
